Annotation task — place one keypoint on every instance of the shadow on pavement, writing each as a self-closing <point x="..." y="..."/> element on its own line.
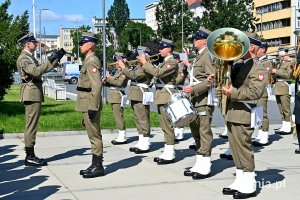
<point x="123" y="164"/>
<point x="68" y="154"/>
<point x="272" y="138"/>
<point x="22" y="189"/>
<point x="267" y="177"/>
<point x="18" y="181"/>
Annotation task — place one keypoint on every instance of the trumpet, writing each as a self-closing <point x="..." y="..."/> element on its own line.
<point x="135" y="62"/>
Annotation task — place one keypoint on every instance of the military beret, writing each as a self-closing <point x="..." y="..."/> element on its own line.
<point x="264" y="45"/>
<point x="87" y="37"/>
<point x="176" y="55"/>
<point x="201" y="33"/>
<point x="165" y="43"/>
<point x="254" y="38"/>
<point x="27" y="38"/>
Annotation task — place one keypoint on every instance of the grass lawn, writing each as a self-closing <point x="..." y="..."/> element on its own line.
<point x="56" y="115"/>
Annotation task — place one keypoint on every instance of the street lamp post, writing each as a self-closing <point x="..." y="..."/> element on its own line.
<point x="104" y="48"/>
<point x="33" y="18"/>
<point x="40" y="12"/>
<point x="182" y="35"/>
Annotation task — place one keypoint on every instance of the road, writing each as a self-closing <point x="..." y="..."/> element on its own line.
<point x="273" y="111"/>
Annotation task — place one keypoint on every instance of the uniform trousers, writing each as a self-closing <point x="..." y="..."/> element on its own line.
<point x="32" y="114"/>
<point x="142" y="117"/>
<point x="201" y="130"/>
<point x="118" y="115"/>
<point x="166" y="125"/>
<point x="283" y="102"/>
<point x="239" y="136"/>
<point x="94" y="133"/>
<point x="263" y="101"/>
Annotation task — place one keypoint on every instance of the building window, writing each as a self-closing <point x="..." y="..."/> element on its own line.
<point x="279" y="41"/>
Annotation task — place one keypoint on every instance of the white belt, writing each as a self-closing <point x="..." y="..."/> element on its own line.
<point x="165" y="86"/>
<point x="279" y="79"/>
<point x="251" y="101"/>
<point x="143" y="85"/>
<point x="115" y="88"/>
<point x="195" y="83"/>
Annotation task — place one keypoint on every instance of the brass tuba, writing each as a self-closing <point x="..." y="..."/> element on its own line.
<point x="226" y="44"/>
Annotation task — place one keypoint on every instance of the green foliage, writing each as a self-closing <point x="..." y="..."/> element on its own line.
<point x="56" y="115"/>
<point x="232" y="13"/>
<point x="132" y="33"/>
<point x="117" y="18"/>
<point x="169" y="15"/>
<point x="11" y="29"/>
<point x="76" y="35"/>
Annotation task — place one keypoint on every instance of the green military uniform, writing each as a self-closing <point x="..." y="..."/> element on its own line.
<point x="263" y="101"/>
<point x="200" y="128"/>
<point x="283" y="98"/>
<point x="140" y="81"/>
<point x="31" y="92"/>
<point x="117" y="83"/>
<point x="89" y="98"/>
<point x="248" y="82"/>
<point x="166" y="74"/>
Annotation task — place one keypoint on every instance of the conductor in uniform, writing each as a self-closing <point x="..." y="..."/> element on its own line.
<point x="32" y="92"/>
<point x="248" y="83"/>
<point x="89" y="102"/>
<point x="165" y="74"/>
<point x="199" y="89"/>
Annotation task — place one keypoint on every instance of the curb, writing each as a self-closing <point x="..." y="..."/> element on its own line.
<point x="67" y="133"/>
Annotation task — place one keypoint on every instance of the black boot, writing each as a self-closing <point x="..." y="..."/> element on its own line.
<point x="96" y="169"/>
<point x="32" y="160"/>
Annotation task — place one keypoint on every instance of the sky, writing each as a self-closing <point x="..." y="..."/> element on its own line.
<point x="70" y="13"/>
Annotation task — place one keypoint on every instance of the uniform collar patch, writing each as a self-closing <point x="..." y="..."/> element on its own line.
<point x="261" y="77"/>
<point x="94" y="70"/>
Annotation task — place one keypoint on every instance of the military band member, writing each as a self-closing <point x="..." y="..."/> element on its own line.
<point x="139" y="84"/>
<point x="89" y="102"/>
<point x="247" y="87"/>
<point x="182" y="74"/>
<point x="262" y="138"/>
<point x="116" y="82"/>
<point x="166" y="74"/>
<point x="282" y="93"/>
<point x="32" y="92"/>
<point x="199" y="89"/>
<point x="297" y="102"/>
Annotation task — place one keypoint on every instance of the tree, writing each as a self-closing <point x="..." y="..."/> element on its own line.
<point x="231" y="13"/>
<point x="117" y="18"/>
<point x="76" y="35"/>
<point x="11" y="29"/>
<point x="134" y="34"/>
<point x="169" y="14"/>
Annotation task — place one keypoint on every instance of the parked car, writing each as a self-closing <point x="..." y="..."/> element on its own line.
<point x="53" y="74"/>
<point x="71" y="72"/>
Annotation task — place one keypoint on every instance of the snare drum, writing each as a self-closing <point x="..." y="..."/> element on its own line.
<point x="180" y="111"/>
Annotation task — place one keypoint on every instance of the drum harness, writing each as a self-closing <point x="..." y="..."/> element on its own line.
<point x="195" y="81"/>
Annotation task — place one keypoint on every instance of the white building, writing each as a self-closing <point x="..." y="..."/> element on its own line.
<point x="50" y="41"/>
<point x="65" y="39"/>
<point x="196" y="7"/>
<point x="150" y="15"/>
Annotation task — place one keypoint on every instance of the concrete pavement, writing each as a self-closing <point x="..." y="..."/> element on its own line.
<point x="130" y="176"/>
